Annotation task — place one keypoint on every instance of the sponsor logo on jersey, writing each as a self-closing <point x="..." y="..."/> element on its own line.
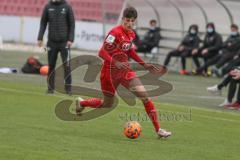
<point x="126" y="46"/>
<point x="110" y="39"/>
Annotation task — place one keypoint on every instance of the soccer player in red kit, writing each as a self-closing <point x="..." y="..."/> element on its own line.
<point x="116" y="51"/>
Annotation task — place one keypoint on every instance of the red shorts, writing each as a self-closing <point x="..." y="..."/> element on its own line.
<point x="111" y="78"/>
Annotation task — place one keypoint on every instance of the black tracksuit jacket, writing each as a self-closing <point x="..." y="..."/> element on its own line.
<point x="61" y="23"/>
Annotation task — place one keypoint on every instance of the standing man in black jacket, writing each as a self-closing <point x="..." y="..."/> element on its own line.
<point x="190" y="42"/>
<point x="61" y="25"/>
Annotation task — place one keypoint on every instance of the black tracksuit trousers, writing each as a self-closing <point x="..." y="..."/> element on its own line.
<point x="53" y="50"/>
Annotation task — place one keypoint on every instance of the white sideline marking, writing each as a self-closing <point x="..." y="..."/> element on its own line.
<point x="201" y="97"/>
<point x="29" y="92"/>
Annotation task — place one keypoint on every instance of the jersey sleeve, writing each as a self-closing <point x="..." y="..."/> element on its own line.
<point x="108" y="46"/>
<point x="133" y="54"/>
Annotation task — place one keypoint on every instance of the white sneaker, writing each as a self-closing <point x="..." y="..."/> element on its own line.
<point x="162" y="133"/>
<point x="225" y="103"/>
<point x="79" y="108"/>
<point x="214" y="90"/>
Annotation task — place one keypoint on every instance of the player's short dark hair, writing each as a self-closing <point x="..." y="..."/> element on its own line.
<point x="153" y="21"/>
<point x="130" y="12"/>
<point x="234" y="26"/>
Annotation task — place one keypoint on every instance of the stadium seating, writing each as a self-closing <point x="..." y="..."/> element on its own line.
<point x="90" y="10"/>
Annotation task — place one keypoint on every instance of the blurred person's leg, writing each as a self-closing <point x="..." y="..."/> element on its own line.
<point x="207" y="57"/>
<point x="238" y="93"/>
<point x="224" y="59"/>
<point x="52" y="59"/>
<point x="231" y="91"/>
<point x="208" y="63"/>
<point x="216" y="89"/>
<point x="184" y="55"/>
<point x="230" y="66"/>
<point x="174" y="53"/>
<point x="225" y="82"/>
<point x="236" y="105"/>
<point x="196" y="58"/>
<point x="65" y="55"/>
<point x="226" y="69"/>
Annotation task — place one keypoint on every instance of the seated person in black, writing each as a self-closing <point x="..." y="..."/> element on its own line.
<point x="189" y="43"/>
<point x="228" y="51"/>
<point x="151" y="38"/>
<point x="212" y="43"/>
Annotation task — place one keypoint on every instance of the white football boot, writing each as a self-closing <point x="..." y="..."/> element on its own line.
<point x="225" y="103"/>
<point x="79" y="108"/>
<point x="214" y="90"/>
<point x="162" y="133"/>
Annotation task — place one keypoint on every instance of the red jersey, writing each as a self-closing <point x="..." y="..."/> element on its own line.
<point x="118" y="46"/>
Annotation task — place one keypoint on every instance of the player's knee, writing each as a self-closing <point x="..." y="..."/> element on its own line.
<point x="145" y="99"/>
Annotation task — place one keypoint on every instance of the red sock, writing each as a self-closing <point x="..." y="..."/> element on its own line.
<point x="152" y="113"/>
<point x="93" y="103"/>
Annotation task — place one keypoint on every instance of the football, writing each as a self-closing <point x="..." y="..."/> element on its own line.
<point x="132" y="129"/>
<point x="44" y="70"/>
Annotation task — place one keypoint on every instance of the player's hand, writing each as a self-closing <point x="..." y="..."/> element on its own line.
<point x="235" y="74"/>
<point x="181" y="48"/>
<point x="122" y="65"/>
<point x="155" y="69"/>
<point x="148" y="66"/>
<point x="237" y="77"/>
<point x="195" y="51"/>
<point x="40" y="43"/>
<point x="69" y="44"/>
<point x="205" y="51"/>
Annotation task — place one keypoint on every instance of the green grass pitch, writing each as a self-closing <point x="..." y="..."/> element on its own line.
<point x="30" y="130"/>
